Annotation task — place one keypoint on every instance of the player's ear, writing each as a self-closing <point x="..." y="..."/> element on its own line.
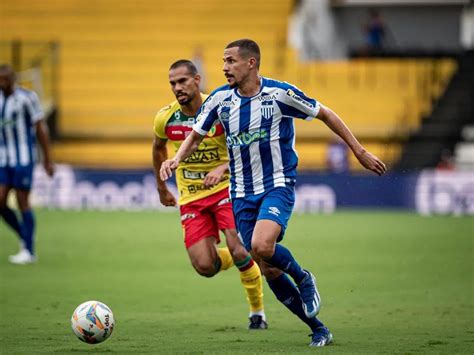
<point x="252" y="63"/>
<point x="197" y="78"/>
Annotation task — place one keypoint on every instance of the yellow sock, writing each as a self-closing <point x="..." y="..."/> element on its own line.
<point x="251" y="279"/>
<point x="226" y="258"/>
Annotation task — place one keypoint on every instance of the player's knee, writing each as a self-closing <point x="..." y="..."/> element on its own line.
<point x="205" y="269"/>
<point x="264" y="250"/>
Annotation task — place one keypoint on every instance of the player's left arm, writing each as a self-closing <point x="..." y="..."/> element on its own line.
<point x="215" y="176"/>
<point x="337" y="125"/>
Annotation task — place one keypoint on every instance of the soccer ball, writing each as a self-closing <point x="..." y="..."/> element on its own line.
<point x="92" y="322"/>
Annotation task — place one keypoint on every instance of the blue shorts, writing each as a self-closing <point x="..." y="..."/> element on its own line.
<point x="20" y="177"/>
<point x="276" y="205"/>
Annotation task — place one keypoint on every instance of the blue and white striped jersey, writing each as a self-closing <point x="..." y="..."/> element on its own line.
<point x="19" y="113"/>
<point x="260" y="133"/>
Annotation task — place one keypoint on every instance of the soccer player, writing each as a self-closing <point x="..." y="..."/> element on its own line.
<point x="257" y="115"/>
<point x="203" y="182"/>
<point x="21" y="124"/>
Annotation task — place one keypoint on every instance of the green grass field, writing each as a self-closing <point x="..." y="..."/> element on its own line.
<point x="390" y="283"/>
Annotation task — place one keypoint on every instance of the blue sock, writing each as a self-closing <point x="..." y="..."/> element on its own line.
<point x="10" y="217"/>
<point x="283" y="260"/>
<point x="287" y="293"/>
<point x="28" y="229"/>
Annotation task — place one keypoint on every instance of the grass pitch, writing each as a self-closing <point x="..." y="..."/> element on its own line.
<point x="390" y="283"/>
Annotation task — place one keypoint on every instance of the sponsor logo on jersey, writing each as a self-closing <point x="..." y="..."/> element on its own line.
<point x="298" y="99"/>
<point x="226" y="104"/>
<point x="203" y="156"/>
<point x="194" y="175"/>
<point x="186" y="216"/>
<point x="267" y="97"/>
<point x="196" y="188"/>
<point x="245" y="138"/>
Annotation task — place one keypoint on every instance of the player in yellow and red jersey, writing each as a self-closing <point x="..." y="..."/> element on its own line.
<point x="203" y="181"/>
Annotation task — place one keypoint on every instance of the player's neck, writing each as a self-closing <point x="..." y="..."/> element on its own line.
<point x="249" y="87"/>
<point x="192" y="107"/>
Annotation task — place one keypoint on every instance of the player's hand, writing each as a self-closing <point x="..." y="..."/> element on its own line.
<point x="214" y="177"/>
<point x="371" y="162"/>
<point x="167" y="168"/>
<point x="167" y="198"/>
<point x="49" y="167"/>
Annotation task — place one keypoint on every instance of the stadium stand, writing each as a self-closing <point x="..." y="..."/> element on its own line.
<point x="442" y="129"/>
<point x="114" y="59"/>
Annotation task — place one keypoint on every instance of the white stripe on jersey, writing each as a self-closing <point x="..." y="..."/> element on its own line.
<point x="22" y="133"/>
<point x="10" y="143"/>
<point x="254" y="149"/>
<point x="238" y="165"/>
<point x="248" y="133"/>
<point x="17" y="130"/>
<point x="278" y="175"/>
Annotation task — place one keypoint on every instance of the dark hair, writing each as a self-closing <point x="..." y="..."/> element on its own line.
<point x="185" y="63"/>
<point x="247" y="49"/>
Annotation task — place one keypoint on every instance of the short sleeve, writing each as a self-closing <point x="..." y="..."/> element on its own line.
<point x="206" y="116"/>
<point x="33" y="105"/>
<point x="295" y="103"/>
<point x="161" y="119"/>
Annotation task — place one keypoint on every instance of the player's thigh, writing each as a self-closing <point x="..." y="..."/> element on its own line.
<point x="245" y="218"/>
<point x="277" y="206"/>
<point x="221" y="210"/>
<point x="264" y="237"/>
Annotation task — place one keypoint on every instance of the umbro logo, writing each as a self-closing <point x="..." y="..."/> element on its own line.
<point x="274" y="210"/>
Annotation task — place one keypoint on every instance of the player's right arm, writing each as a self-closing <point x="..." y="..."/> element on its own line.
<point x="188" y="147"/>
<point x="160" y="154"/>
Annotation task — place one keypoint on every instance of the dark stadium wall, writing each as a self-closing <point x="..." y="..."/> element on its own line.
<point x="410" y="27"/>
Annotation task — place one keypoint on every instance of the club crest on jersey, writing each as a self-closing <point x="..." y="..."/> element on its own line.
<point x="267" y="109"/>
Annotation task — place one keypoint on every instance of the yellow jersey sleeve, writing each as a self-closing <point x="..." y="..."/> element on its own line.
<point x="162" y="118"/>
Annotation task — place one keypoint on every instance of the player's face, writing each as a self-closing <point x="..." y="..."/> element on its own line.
<point x="6" y="81"/>
<point x="184" y="85"/>
<point x="236" y="68"/>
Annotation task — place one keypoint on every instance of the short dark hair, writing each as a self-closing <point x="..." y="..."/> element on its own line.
<point x="7" y="68"/>
<point x="247" y="48"/>
<point x="185" y="63"/>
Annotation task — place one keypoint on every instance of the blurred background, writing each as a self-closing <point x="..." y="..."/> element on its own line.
<point x="399" y="72"/>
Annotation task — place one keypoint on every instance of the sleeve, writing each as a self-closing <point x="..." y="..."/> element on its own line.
<point x="161" y="119"/>
<point x="295" y="103"/>
<point x="207" y="115"/>
<point x="33" y="105"/>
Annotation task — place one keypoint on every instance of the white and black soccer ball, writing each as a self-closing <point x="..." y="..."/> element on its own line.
<point x="93" y="322"/>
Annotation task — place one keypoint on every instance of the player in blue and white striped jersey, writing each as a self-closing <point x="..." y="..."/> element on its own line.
<point x="21" y="124"/>
<point x="257" y="114"/>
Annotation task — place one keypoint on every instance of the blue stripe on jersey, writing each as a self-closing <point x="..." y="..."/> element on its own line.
<point x="260" y="133"/>
<point x="288" y="152"/>
<point x="289" y="111"/>
<point x="30" y="136"/>
<point x="265" y="151"/>
<point x="208" y="124"/>
<point x="244" y="122"/>
<point x="15" y="119"/>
